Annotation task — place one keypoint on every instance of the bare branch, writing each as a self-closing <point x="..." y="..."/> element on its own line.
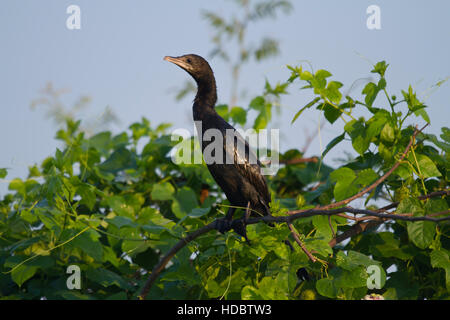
<point x="169" y="255"/>
<point x="300" y="243"/>
<point x="300" y="160"/>
<point x="380" y="180"/>
<point x="325" y="212"/>
<point x="435" y="194"/>
<point x="377" y="217"/>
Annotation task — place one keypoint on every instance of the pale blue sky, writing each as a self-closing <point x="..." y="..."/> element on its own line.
<point x="116" y="58"/>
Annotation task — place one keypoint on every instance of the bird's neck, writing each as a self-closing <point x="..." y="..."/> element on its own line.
<point x="206" y="98"/>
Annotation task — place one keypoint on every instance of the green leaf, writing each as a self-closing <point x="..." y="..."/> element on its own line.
<point x="185" y="201"/>
<point x="331" y="113"/>
<point x="121" y="222"/>
<point x="88" y="196"/>
<point x="49" y="219"/>
<point x="88" y="242"/>
<point x="326" y="288"/>
<point x="238" y="115"/>
<point x="410" y="205"/>
<point x="22" y="274"/>
<point x="17" y="185"/>
<point x="445" y="135"/>
<point x="332" y="92"/>
<point x="366" y="177"/>
<point x="401" y="286"/>
<point x="371" y="91"/>
<point x="280" y="88"/>
<point x="344" y="178"/>
<point x="308" y="105"/>
<point x="380" y="68"/>
<point x="27" y="270"/>
<point x="388" y="133"/>
<point x="250" y="293"/>
<point x="322" y="74"/>
<point x="119" y="160"/>
<point x="319" y="245"/>
<point x="257" y="103"/>
<point x="264" y="117"/>
<point x="162" y="191"/>
<point x="345" y="186"/>
<point x="332" y="144"/>
<point x="440" y="144"/>
<point x="386" y="245"/>
<point x="101" y="141"/>
<point x="107" y="278"/>
<point x="147" y="259"/>
<point x="357" y="131"/>
<point x="353" y="260"/>
<point x="421" y="233"/>
<point x="222" y="110"/>
<point x="344" y="175"/>
<point x="427" y="166"/>
<point x="439" y="259"/>
<point x="377" y="123"/>
<point x="199" y="212"/>
<point x="306" y="75"/>
<point x="356" y="278"/>
<point x="323" y="228"/>
<point x="120" y="206"/>
<point x="3" y="173"/>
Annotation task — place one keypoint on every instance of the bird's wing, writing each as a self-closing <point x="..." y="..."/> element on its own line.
<point x="246" y="162"/>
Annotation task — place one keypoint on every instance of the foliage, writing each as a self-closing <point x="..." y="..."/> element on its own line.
<point x="115" y="204"/>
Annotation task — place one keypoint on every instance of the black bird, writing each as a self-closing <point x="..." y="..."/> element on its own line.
<point x="241" y="180"/>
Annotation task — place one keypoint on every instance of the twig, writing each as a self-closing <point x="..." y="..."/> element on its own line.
<point x="280" y="219"/>
<point x="300" y="243"/>
<point x="294" y="161"/>
<point x="376" y="221"/>
<point x="169" y="255"/>
<point x="331" y="227"/>
<point x="435" y="194"/>
<point x="310" y="137"/>
<point x="300" y="160"/>
<point x="380" y="180"/>
<point x="325" y="212"/>
<point x="297" y="214"/>
<point x="354" y="230"/>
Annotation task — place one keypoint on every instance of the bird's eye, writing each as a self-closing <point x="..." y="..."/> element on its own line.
<point x="188" y="60"/>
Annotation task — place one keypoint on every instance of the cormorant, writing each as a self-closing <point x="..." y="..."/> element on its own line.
<point x="241" y="180"/>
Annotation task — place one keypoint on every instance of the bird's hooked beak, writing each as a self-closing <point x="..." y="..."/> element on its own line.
<point x="178" y="61"/>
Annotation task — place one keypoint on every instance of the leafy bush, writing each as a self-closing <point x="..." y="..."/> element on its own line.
<point x="114" y="205"/>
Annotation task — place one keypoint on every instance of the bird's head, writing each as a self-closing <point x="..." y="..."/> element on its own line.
<point x="195" y="65"/>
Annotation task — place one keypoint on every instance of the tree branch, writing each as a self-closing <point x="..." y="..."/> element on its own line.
<point x="363" y="226"/>
<point x="435" y="194"/>
<point x="284" y="219"/>
<point x="325" y="212"/>
<point x="380" y="180"/>
<point x="169" y="255"/>
<point x="300" y="243"/>
<point x="377" y="218"/>
<point x="300" y="160"/>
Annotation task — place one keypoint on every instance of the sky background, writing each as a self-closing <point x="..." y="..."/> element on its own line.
<point x="116" y="59"/>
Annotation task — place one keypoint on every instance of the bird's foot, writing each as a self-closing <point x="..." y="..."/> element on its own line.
<point x="223" y="225"/>
<point x="240" y="227"/>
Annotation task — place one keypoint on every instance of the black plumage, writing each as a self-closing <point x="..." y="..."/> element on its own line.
<point x="241" y="180"/>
